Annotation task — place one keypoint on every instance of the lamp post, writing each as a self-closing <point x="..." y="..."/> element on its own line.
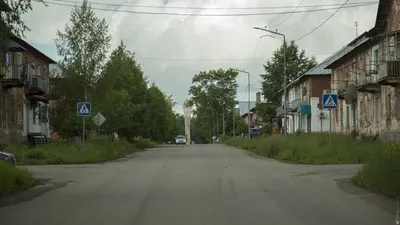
<point x="187" y="111"/>
<point x="284" y="72"/>
<point x="248" y="87"/>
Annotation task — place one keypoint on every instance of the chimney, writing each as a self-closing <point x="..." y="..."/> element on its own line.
<point x="258" y="97"/>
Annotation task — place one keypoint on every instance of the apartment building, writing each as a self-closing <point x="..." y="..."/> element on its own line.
<point x="304" y="105"/>
<point x="367" y="77"/>
<point x="24" y="93"/>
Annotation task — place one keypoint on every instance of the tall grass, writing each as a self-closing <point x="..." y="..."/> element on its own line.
<point x="381" y="171"/>
<point x="14" y="179"/>
<point x="313" y="148"/>
<point x="59" y="152"/>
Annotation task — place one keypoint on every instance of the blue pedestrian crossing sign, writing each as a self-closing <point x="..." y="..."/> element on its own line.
<point x="329" y="101"/>
<point x="84" y="108"/>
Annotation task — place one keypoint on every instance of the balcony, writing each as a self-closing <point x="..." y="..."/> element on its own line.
<point x="293" y="105"/>
<point x="13" y="76"/>
<point x="367" y="82"/>
<point x="389" y="73"/>
<point x="280" y="111"/>
<point x="36" y="87"/>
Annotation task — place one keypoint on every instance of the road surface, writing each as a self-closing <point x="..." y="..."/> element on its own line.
<point x="197" y="185"/>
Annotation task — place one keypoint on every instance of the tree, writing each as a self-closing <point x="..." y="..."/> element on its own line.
<point x="213" y="94"/>
<point x="11" y="22"/>
<point x="83" y="47"/>
<point x="297" y="64"/>
<point x="120" y="92"/>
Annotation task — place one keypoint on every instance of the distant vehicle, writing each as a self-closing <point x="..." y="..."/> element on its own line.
<point x="8" y="157"/>
<point x="180" y="139"/>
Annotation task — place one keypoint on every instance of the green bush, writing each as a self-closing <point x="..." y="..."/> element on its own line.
<point x="59" y="152"/>
<point x="143" y="143"/>
<point x="310" y="148"/>
<point x="381" y="172"/>
<point x="14" y="179"/>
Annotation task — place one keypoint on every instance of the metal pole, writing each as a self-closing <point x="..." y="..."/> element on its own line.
<point x="284" y="73"/>
<point x="98" y="129"/>
<point x="223" y="120"/>
<point x="330" y="128"/>
<point x="233" y="119"/>
<point x="83" y="122"/>
<point x="248" y="116"/>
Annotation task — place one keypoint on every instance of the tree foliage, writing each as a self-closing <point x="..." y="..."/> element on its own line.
<point x="117" y="88"/>
<point x="11" y="22"/>
<point x="297" y="64"/>
<point x="213" y="96"/>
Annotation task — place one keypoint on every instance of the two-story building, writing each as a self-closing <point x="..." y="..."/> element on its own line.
<point x="367" y="77"/>
<point x="304" y="103"/>
<point x="23" y="99"/>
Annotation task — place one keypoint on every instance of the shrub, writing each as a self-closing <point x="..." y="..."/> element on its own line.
<point x="14" y="179"/>
<point x="311" y="148"/>
<point x="59" y="152"/>
<point x="381" y="172"/>
<point x="143" y="143"/>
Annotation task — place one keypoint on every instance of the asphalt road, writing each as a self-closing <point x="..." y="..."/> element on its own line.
<point x="196" y="185"/>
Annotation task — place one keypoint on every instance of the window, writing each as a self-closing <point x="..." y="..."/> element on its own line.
<point x="369" y="111"/>
<point x="354" y="107"/>
<point x="341" y="118"/>
<point x="398" y="45"/>
<point x="20" y="111"/>
<point x="39" y="114"/>
<point x="34" y="114"/>
<point x="361" y="63"/>
<point x="398" y="106"/>
<point x="37" y="69"/>
<point x="376" y="57"/>
<point x="347" y="117"/>
<point x="12" y="107"/>
<point x="388" y="107"/>
<point x="4" y="108"/>
<point x="377" y="109"/>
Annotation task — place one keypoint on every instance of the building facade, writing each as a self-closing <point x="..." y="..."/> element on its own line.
<point x="304" y="109"/>
<point x="24" y="87"/>
<point x="367" y="77"/>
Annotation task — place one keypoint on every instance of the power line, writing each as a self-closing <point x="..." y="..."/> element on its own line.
<point x="288" y="16"/>
<point x="323" y="22"/>
<point x="301" y="19"/>
<point x="205" y="15"/>
<point x="213" y="8"/>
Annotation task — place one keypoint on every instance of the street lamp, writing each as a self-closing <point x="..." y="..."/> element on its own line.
<point x="248" y="83"/>
<point x="284" y="72"/>
<point x="187" y="111"/>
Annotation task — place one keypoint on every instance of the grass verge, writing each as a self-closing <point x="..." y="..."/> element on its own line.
<point x="381" y="172"/>
<point x="13" y="179"/>
<point x="58" y="152"/>
<point x="313" y="148"/>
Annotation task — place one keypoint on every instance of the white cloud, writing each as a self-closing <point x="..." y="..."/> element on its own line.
<point x="164" y="36"/>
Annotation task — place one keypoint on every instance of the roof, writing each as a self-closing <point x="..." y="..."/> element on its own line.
<point x="30" y="48"/>
<point x="345" y="50"/>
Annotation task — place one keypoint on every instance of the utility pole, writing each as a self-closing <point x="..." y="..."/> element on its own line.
<point x="248" y="86"/>
<point x="223" y="118"/>
<point x="284" y="73"/>
<point x="356" y="24"/>
<point x="233" y="113"/>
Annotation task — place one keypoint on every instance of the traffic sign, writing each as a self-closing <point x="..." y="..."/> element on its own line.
<point x="330" y="101"/>
<point x="99" y="119"/>
<point x="84" y="108"/>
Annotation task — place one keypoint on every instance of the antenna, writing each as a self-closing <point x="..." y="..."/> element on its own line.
<point x="356" y="24"/>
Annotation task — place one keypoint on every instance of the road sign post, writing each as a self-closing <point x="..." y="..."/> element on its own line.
<point x="83" y="109"/>
<point x="98" y="119"/>
<point x="330" y="101"/>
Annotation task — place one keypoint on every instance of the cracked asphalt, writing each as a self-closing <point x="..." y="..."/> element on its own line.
<point x="196" y="185"/>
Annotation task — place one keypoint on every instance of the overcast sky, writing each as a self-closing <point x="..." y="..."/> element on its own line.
<point x="172" y="48"/>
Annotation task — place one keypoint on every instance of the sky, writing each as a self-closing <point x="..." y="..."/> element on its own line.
<point x="171" y="49"/>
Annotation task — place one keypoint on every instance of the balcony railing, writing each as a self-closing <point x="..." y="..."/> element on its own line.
<point x="389" y="69"/>
<point x="36" y="86"/>
<point x="293" y="104"/>
<point x="14" y="75"/>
